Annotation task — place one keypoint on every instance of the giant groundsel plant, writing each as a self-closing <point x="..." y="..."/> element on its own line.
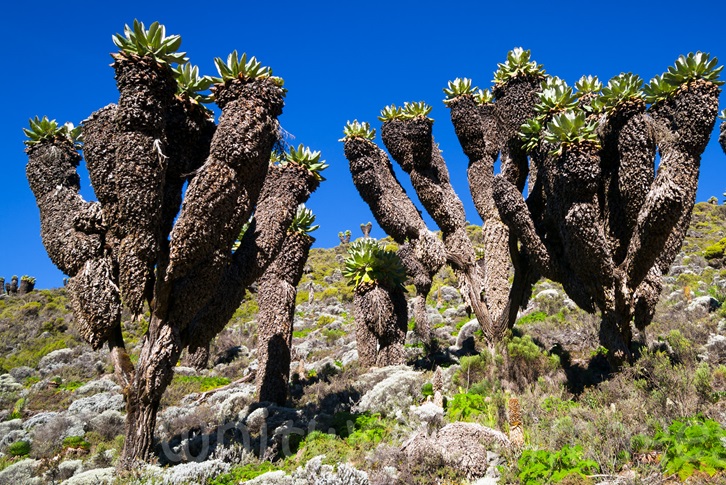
<point x="140" y="247"/>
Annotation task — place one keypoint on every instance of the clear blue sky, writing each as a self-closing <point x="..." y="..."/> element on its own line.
<point x="340" y="61"/>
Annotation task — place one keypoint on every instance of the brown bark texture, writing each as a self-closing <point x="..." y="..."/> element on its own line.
<point x="276" y="298"/>
<point x="381" y="324"/>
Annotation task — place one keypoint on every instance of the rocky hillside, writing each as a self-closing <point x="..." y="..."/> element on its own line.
<point x="545" y="410"/>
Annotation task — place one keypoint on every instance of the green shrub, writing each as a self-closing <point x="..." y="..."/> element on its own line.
<point x="467" y="406"/>
<point x="542" y="466"/>
<point x="715" y="250"/>
<point x="473" y="369"/>
<point x="427" y="389"/>
<point x="243" y="473"/>
<point x="201" y="383"/>
<point x="332" y="335"/>
<point x="76" y="442"/>
<point x="523" y="348"/>
<point x="19" y="448"/>
<point x="538" y="316"/>
<point x="32" y="308"/>
<point x="692" y="445"/>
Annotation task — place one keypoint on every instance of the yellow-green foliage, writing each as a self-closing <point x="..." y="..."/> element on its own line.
<point x="182" y="385"/>
<point x="248" y="309"/>
<point x="34" y="350"/>
<point x="240" y="474"/>
<point x="715" y="250"/>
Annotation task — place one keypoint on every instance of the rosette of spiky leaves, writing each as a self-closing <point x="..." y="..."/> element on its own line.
<point x="368" y="263"/>
<point x="303" y="220"/>
<point x="27" y="278"/>
<point x="238" y="67"/>
<point x="355" y="129"/>
<point x="587" y="85"/>
<point x="483" y="96"/>
<point x="190" y="85"/>
<point x="623" y="88"/>
<point x="45" y="129"/>
<point x="518" y="63"/>
<point x="458" y="87"/>
<point x="530" y="133"/>
<point x="556" y="96"/>
<point x="416" y="109"/>
<point x="390" y="113"/>
<point x="692" y="67"/>
<point x="658" y="90"/>
<point x="307" y="158"/>
<point x="571" y="128"/>
<point x="154" y="43"/>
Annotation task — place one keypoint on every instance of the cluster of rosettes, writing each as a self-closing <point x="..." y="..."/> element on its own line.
<point x="368" y="264"/>
<point x="566" y="117"/>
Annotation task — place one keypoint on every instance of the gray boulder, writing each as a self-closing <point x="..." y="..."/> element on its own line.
<point x="99" y="476"/>
<point x="21" y="473"/>
<point x="465" y="339"/>
<point x="97" y="386"/>
<point x="97" y="403"/>
<point x="9" y="384"/>
<point x="55" y="360"/>
<point x="21" y="373"/>
<point x="393" y="395"/>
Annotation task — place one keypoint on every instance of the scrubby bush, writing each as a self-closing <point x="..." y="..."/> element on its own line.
<point x="19" y="448"/>
<point x="693" y="445"/>
<point x="715" y="250"/>
<point x="542" y="466"/>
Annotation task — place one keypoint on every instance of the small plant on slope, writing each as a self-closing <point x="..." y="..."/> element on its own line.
<point x="542" y="466"/>
<point x="693" y="445"/>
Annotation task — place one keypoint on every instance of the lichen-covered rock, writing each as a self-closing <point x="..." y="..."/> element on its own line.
<point x="9" y="384"/>
<point x="715" y="350"/>
<point x="99" y="476"/>
<point x="56" y="359"/>
<point x="68" y="468"/>
<point x="39" y="419"/>
<point x="393" y="395"/>
<point x="185" y="473"/>
<point x="463" y="446"/>
<point x="21" y="472"/>
<point x="98" y="386"/>
<point x="97" y="403"/>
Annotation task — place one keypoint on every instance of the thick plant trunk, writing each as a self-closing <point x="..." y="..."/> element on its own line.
<point x="278" y="290"/>
<point x="275" y="339"/>
<point x="616" y="336"/>
<point x="197" y="355"/>
<point x="139" y="432"/>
